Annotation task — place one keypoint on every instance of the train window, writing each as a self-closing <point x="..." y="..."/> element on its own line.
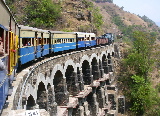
<point x="55" y="41"/>
<point x="1" y="42"/>
<point x="58" y="40"/>
<point x="32" y="41"/>
<point x="26" y="41"/>
<point x="47" y="40"/>
<point x="44" y="41"/>
<point x="6" y="42"/>
<point x="39" y="41"/>
<point x="92" y="38"/>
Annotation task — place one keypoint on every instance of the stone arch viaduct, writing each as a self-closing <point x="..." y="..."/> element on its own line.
<point x="71" y="84"/>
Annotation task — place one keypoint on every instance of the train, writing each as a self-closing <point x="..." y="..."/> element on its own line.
<point x="21" y="44"/>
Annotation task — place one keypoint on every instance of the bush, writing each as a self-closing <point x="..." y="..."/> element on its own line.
<point x="42" y="13"/>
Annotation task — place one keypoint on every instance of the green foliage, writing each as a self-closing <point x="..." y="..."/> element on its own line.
<point x="140" y="95"/>
<point x="118" y="21"/>
<point x="139" y="59"/>
<point x="97" y="17"/>
<point x="87" y="4"/>
<point x="146" y="19"/>
<point x="158" y="87"/>
<point x="42" y="13"/>
<point x="37" y="13"/>
<point x="136" y="80"/>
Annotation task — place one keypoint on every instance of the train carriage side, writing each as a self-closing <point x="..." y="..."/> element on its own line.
<point x="54" y="41"/>
<point x="81" y="39"/>
<point x="45" y="42"/>
<point x="8" y="56"/>
<point x="69" y="40"/>
<point x="63" y="41"/>
<point x="39" y="42"/>
<point x="87" y="40"/>
<point x="92" y="39"/>
<point x="26" y="44"/>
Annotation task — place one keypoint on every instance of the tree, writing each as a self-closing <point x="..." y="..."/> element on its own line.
<point x="42" y="13"/>
<point x="140" y="57"/>
<point x="136" y="80"/>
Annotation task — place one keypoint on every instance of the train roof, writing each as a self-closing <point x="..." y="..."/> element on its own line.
<point x="62" y="32"/>
<point x="22" y="27"/>
<point x="27" y="28"/>
<point x="6" y="14"/>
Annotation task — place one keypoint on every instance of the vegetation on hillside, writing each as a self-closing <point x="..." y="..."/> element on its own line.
<point x="96" y="19"/>
<point x="36" y="13"/>
<point x="137" y="87"/>
<point x="111" y="1"/>
<point x="146" y="19"/>
<point x="45" y="13"/>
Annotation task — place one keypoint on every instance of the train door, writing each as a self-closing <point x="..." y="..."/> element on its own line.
<point x="4" y="83"/>
<point x="11" y="54"/>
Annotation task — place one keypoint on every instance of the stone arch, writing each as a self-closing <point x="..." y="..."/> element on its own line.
<point x="102" y="54"/>
<point x="71" y="80"/>
<point x="85" y="57"/>
<point x="69" y="62"/>
<point x="93" y="56"/>
<point x="86" y="73"/>
<point x="30" y="103"/>
<point x="91" y="105"/>
<point x="101" y="69"/>
<point x="105" y="63"/>
<point x="57" y="67"/>
<point x="42" y="96"/>
<point x="109" y="62"/>
<point x="51" y="104"/>
<point x="60" y="89"/>
<point x="95" y="69"/>
<point x="41" y="78"/>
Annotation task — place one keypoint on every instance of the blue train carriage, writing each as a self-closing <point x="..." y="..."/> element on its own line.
<point x="53" y="41"/>
<point x="85" y="39"/>
<point x="38" y="42"/>
<point x="8" y="54"/>
<point x="63" y="41"/>
<point x="45" y="43"/>
<point x="26" y="44"/>
<point x="80" y="39"/>
<point x="92" y="38"/>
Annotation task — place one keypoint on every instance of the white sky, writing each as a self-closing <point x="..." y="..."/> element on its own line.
<point x="150" y="8"/>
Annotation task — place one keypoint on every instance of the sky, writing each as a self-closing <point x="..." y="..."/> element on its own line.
<point x="149" y="8"/>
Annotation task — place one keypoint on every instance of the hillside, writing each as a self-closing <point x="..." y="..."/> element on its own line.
<point x="81" y="15"/>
